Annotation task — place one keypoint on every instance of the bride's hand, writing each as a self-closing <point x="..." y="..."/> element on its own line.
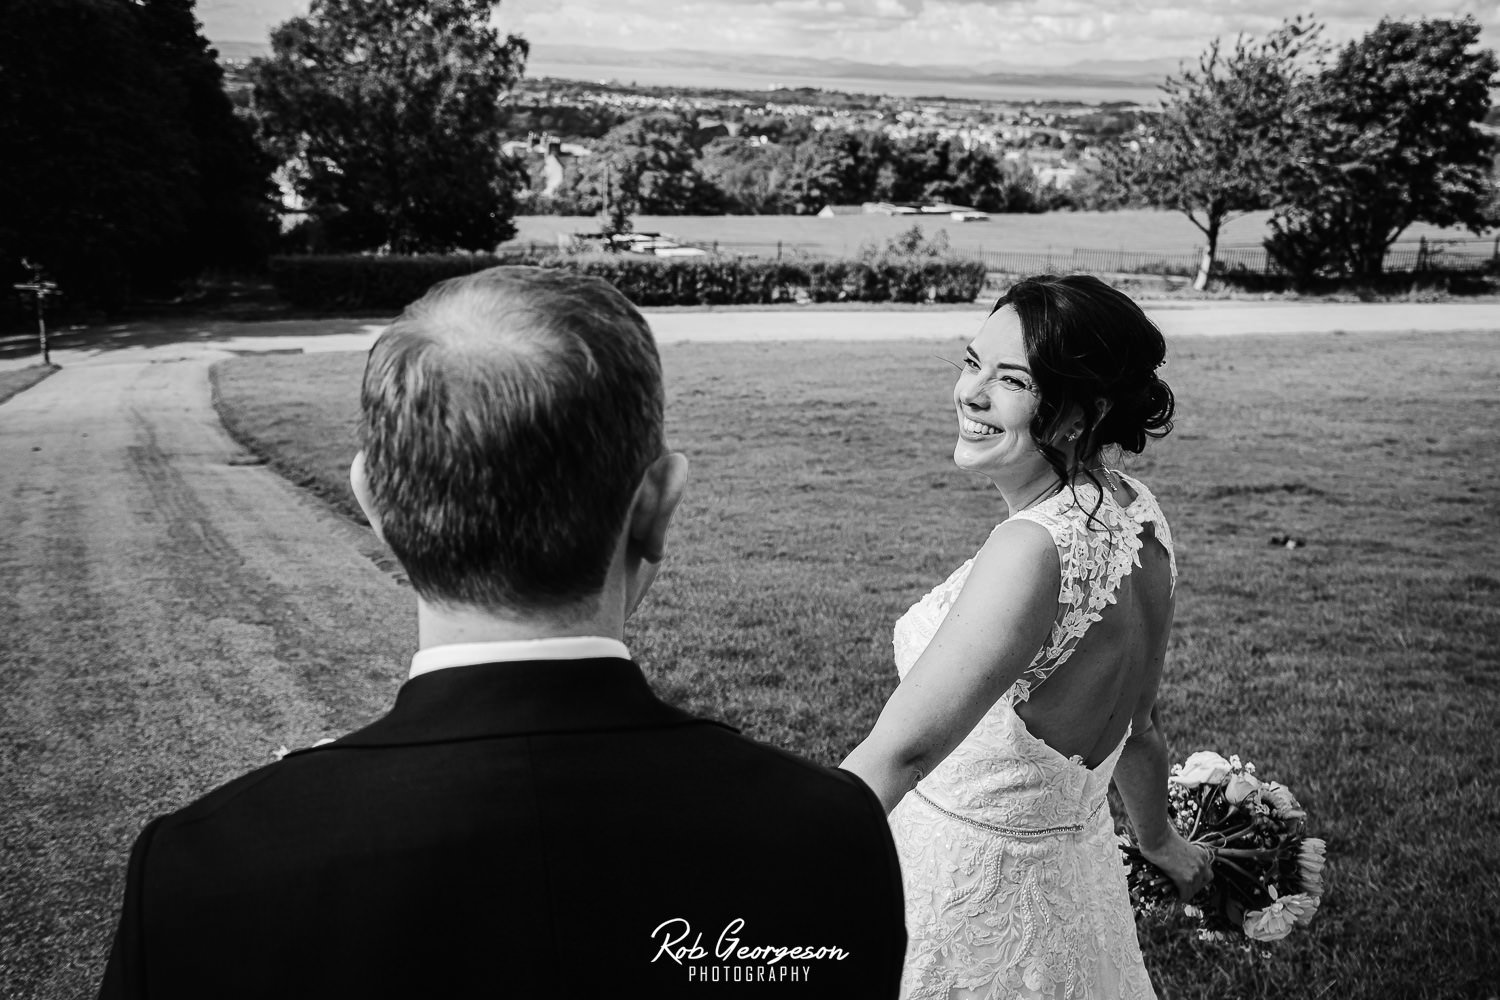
<point x="1189" y="866"/>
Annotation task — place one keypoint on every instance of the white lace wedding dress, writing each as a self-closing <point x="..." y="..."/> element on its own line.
<point x="1014" y="883"/>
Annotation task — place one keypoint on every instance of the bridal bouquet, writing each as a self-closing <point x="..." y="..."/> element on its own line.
<point x="1268" y="875"/>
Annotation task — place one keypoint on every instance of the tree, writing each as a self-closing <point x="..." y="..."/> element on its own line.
<point x="750" y="175"/>
<point x="815" y="175"/>
<point x="1390" y="139"/>
<point x="113" y="178"/>
<point x="648" y="166"/>
<point x="1223" y="127"/>
<point x="907" y="170"/>
<point x="1021" y="190"/>
<point x="975" y="179"/>
<point x="863" y="153"/>
<point x="1107" y="180"/>
<point x="232" y="224"/>
<point x="387" y="115"/>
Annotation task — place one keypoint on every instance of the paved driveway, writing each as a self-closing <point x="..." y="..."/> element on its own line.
<point x="1177" y="318"/>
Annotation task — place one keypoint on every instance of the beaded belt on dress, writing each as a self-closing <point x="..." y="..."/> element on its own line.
<point x="1009" y="831"/>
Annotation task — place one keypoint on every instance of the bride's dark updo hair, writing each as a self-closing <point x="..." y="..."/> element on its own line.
<point x="1091" y="347"/>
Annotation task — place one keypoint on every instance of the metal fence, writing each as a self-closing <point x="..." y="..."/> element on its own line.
<point x="1467" y="254"/>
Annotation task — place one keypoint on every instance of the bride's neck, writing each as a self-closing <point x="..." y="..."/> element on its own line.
<point x="1026" y="493"/>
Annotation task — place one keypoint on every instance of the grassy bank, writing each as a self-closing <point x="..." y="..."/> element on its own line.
<point x="20" y="379"/>
<point x="1361" y="668"/>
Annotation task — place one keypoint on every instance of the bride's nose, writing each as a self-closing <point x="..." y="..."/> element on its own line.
<point x="973" y="391"/>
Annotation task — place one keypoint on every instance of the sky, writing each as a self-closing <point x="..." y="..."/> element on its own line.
<point x="936" y="32"/>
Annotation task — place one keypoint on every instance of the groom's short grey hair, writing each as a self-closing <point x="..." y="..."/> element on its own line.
<point x="507" y="418"/>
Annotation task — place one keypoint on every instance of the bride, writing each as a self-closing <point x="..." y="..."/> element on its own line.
<point x="1029" y="677"/>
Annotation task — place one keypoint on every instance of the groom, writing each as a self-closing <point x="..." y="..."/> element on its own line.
<point x="529" y="819"/>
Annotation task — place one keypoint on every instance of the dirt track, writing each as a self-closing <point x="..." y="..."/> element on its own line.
<point x="169" y="618"/>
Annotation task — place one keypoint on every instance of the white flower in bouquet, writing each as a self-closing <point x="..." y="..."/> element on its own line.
<point x="1240" y="786"/>
<point x="1277" y="920"/>
<point x="1203" y="767"/>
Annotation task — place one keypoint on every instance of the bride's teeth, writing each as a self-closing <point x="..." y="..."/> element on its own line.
<point x="975" y="427"/>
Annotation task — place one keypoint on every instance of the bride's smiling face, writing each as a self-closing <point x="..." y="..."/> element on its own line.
<point x="996" y="399"/>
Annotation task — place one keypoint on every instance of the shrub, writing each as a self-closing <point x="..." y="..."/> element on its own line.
<point x="364" y="282"/>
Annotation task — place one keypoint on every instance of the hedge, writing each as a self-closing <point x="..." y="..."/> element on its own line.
<point x="359" y="282"/>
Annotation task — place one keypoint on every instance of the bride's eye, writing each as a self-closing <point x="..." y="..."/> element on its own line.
<point x="971" y="364"/>
<point x="1016" y="383"/>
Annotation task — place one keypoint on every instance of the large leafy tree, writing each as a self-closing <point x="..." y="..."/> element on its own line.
<point x="1390" y="138"/>
<point x="797" y="176"/>
<point x="907" y="170"/>
<point x="1224" y="127"/>
<point x="232" y="223"/>
<point x="977" y="178"/>
<point x="750" y="175"/>
<point x="387" y="114"/>
<point x="125" y="169"/>
<point x="816" y="174"/>
<point x="647" y="165"/>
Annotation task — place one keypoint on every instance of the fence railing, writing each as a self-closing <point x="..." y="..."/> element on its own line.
<point x="1422" y="254"/>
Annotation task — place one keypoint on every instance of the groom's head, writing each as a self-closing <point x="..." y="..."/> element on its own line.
<point x="507" y="419"/>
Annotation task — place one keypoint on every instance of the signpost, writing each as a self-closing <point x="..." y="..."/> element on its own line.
<point x="39" y="289"/>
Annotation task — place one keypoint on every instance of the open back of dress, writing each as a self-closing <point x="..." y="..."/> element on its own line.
<point x="1014" y="883"/>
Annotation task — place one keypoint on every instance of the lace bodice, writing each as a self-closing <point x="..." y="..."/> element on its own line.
<point x="1095" y="554"/>
<point x="1013" y="881"/>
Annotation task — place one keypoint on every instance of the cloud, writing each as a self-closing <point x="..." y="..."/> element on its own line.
<point x="963" y="32"/>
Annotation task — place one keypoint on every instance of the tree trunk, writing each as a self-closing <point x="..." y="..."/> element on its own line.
<point x="1371" y="260"/>
<point x="1206" y="265"/>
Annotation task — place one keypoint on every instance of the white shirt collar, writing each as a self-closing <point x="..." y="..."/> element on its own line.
<point x="464" y="654"/>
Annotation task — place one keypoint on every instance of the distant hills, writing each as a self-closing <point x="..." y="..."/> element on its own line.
<point x="1100" y="73"/>
<point x="233" y="51"/>
<point x="565" y="60"/>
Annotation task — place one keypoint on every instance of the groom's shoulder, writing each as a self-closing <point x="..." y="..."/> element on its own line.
<point x="755" y="766"/>
<point x="292" y="780"/>
<point x="250" y="784"/>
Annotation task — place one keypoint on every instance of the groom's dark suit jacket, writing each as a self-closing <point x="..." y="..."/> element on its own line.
<point x="517" y="830"/>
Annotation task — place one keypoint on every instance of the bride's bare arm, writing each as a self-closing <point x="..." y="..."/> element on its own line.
<point x="1003" y="615"/>
<point x="1141" y="777"/>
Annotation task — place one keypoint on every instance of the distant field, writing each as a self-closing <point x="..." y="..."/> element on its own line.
<point x="1134" y="230"/>
<point x="1360" y="669"/>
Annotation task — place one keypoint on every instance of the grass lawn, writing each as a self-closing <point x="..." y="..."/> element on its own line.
<point x="1361" y="669"/>
<point x="20" y="379"/>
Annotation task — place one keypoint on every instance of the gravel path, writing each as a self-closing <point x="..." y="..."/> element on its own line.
<point x="1177" y="318"/>
<point x="170" y="617"/>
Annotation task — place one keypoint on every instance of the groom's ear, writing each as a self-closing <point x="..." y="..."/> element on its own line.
<point x="361" y="486"/>
<point x="656" y="499"/>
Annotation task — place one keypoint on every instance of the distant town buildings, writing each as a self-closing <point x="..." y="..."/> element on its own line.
<point x="1052" y="139"/>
